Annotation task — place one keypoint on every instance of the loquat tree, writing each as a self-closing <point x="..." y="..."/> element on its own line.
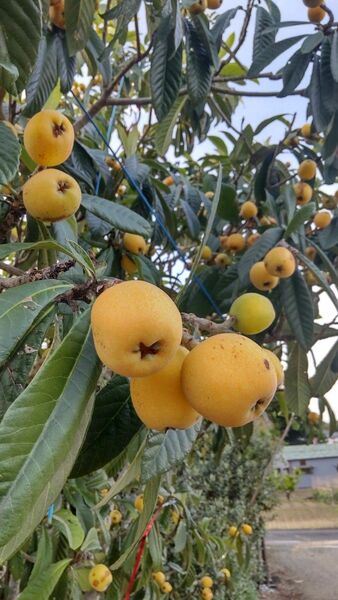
<point x="150" y="301"/>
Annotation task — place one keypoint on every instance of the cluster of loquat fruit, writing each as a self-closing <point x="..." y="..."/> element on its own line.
<point x="315" y="12"/>
<point x="202" y="5"/>
<point x="304" y="191"/>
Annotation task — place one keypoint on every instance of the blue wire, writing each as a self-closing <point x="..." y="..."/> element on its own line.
<point x="50" y="513"/>
<point x="109" y="132"/>
<point x="146" y="202"/>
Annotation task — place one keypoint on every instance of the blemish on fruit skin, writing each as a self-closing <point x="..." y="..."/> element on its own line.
<point x="267" y="364"/>
<point x="149" y="350"/>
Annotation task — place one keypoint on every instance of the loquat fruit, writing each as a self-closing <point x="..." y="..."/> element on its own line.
<point x="198" y="7"/>
<point x="222" y="260"/>
<point x="252" y="239"/>
<point x="317" y="14"/>
<point x="261" y="279"/>
<point x="49" y="138"/>
<point x="166" y="587"/>
<point x="206" y="581"/>
<point x="322" y="219"/>
<point x="51" y="195"/>
<point x="303" y="192"/>
<point x="307" y="169"/>
<point x="128" y="265"/>
<point x="247" y="529"/>
<point x="158" y="577"/>
<point x="137" y="328"/>
<point x="164" y="390"/>
<point x="134" y="243"/>
<point x="206" y="253"/>
<point x="235" y="243"/>
<point x="139" y="503"/>
<point x="280" y="262"/>
<point x="253" y="313"/>
<point x="100" y="578"/>
<point x="213" y="381"/>
<point x="248" y="210"/>
<point x="277" y="366"/>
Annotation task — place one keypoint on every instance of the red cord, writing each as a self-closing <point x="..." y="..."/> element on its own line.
<point x="139" y="553"/>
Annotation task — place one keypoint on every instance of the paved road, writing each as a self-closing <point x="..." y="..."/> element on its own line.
<point x="307" y="558"/>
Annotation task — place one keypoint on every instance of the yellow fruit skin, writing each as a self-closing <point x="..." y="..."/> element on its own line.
<point x="223" y="240"/>
<point x="159" y="400"/>
<point x="49" y="138"/>
<point x="247" y="529"/>
<point x="248" y="210"/>
<point x="159" y="577"/>
<point x="252" y="239"/>
<point x="235" y="243"/>
<point x="207" y="594"/>
<point x="51" y="195"/>
<point x="134" y="243"/>
<point x="100" y="578"/>
<point x="168" y="180"/>
<point x="313" y="418"/>
<point x="206" y="582"/>
<point x="198" y="7"/>
<point x="226" y="573"/>
<point x="209" y="195"/>
<point x="277" y="366"/>
<point x="115" y="517"/>
<point x="261" y="279"/>
<point x="57" y="14"/>
<point x="306" y="130"/>
<point x="316" y="15"/>
<point x="307" y="169"/>
<point x="139" y="503"/>
<point x="222" y="260"/>
<point x="280" y="262"/>
<point x="128" y="265"/>
<point x="214" y="4"/>
<point x="303" y="192"/>
<point x="137" y="328"/>
<point x="322" y="219"/>
<point x="206" y="253"/>
<point x="253" y="313"/>
<point x="232" y="531"/>
<point x="228" y="379"/>
<point x="310" y="252"/>
<point x="166" y="587"/>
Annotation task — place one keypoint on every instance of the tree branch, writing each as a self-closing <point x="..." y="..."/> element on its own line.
<point x="102" y="102"/>
<point x="33" y="275"/>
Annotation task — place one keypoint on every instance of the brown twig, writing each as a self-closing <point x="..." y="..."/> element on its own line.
<point x="35" y="274"/>
<point x="103" y="101"/>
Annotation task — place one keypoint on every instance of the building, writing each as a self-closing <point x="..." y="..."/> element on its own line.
<point x="318" y="463"/>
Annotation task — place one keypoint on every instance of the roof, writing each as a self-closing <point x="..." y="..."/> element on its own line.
<point x="311" y="451"/>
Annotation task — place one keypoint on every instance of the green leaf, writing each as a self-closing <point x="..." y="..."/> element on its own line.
<point x="70" y="527"/>
<point x="118" y="216"/>
<point x="334" y="56"/>
<point x="9" y="154"/>
<point x="20" y="33"/>
<point x="332" y="416"/>
<point x="163" y="136"/>
<point x="20" y="307"/>
<point x="155" y="547"/>
<point x="228" y="206"/>
<point x="297" y="388"/>
<point x="82" y="257"/>
<point x="329" y="88"/>
<point x="114" y="423"/>
<point x="262" y="176"/>
<point x="270" y="53"/>
<point x="294" y="72"/>
<point x="44" y="75"/>
<point x="326" y="373"/>
<point x="201" y="23"/>
<point x="15" y="376"/>
<point x="66" y="65"/>
<point x="165" y="450"/>
<point x="330" y="143"/>
<point x="297" y="302"/>
<point x="42" y="432"/>
<point x="181" y="537"/>
<point x="91" y="541"/>
<point x="199" y="73"/>
<point x="79" y="16"/>
<point x="43" y="585"/>
<point x="328" y="237"/>
<point x="193" y="223"/>
<point x="268" y="240"/>
<point x="45" y="553"/>
<point x="326" y="262"/>
<point x="321" y="116"/>
<point x="319" y="276"/>
<point x="222" y="22"/>
<point x="150" y="501"/>
<point x="166" y="69"/>
<point x="268" y="121"/>
<point x="265" y="32"/>
<point x="311" y="42"/>
<point x="93" y="52"/>
<point x="302" y="215"/>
